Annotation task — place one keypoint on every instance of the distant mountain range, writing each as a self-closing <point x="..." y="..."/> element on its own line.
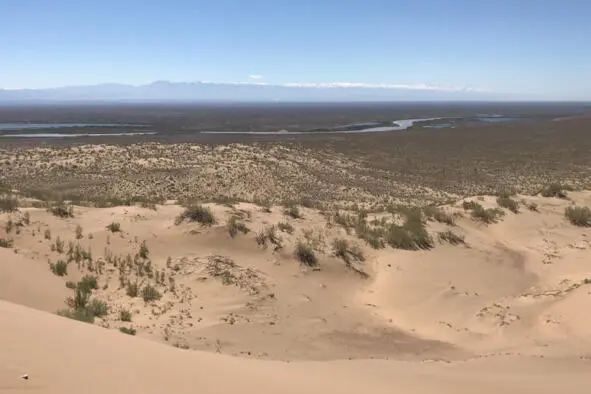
<point x="163" y="91"/>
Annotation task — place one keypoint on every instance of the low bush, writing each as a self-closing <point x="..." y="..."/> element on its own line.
<point x="150" y="293"/>
<point x="509" y="203"/>
<point x="128" y="331"/>
<point x="98" y="308"/>
<point x="292" y="211"/>
<point x="439" y="215"/>
<point x="114" y="227"/>
<point x="6" y="243"/>
<point x="62" y="210"/>
<point x="579" y="216"/>
<point x="81" y="314"/>
<point x="556" y="190"/>
<point x="236" y="226"/>
<point x="59" y="268"/>
<point x="197" y="213"/>
<point x="451" y="237"/>
<point x="285" y="227"/>
<point x="125" y="315"/>
<point x="412" y="235"/>
<point x="305" y="254"/>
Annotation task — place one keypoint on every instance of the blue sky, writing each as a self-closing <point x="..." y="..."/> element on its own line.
<point x="523" y="48"/>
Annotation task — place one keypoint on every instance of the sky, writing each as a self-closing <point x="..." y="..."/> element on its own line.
<point x="522" y="48"/>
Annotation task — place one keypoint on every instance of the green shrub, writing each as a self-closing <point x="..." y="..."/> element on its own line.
<point x="81" y="314"/>
<point x="490" y="215"/>
<point x="144" y="251"/>
<point x="292" y="211"/>
<point x="451" y="237"/>
<point x="47" y="234"/>
<point x="58" y="246"/>
<point x="343" y="250"/>
<point x="8" y="204"/>
<point x="305" y="254"/>
<point x="235" y="226"/>
<point x="62" y="210"/>
<point x="125" y="315"/>
<point x="439" y="215"/>
<point x="579" y="216"/>
<point x="556" y="190"/>
<point x="60" y="268"/>
<point x="509" y="203"/>
<point x="470" y="205"/>
<point x="88" y="283"/>
<point x="197" y="213"/>
<point x="132" y="289"/>
<point x="6" y="243"/>
<point x="114" y="227"/>
<point x="71" y="284"/>
<point x="150" y="293"/>
<point x="412" y="235"/>
<point x="98" y="308"/>
<point x="285" y="227"/>
<point x="128" y="331"/>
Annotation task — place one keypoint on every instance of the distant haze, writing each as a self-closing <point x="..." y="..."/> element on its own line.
<point x="245" y="92"/>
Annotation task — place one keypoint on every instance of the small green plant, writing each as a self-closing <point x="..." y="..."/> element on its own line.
<point x="81" y="314"/>
<point x="579" y="216"/>
<point x="150" y="293"/>
<point x="556" y="190"/>
<point x="98" y="308"/>
<point x="285" y="227"/>
<point x="292" y="211"/>
<point x="114" y="227"/>
<point x="58" y="246"/>
<point x="305" y="254"/>
<point x="132" y="289"/>
<point x="128" y="331"/>
<point x="509" y="203"/>
<point x="488" y="216"/>
<point x="88" y="283"/>
<point x="6" y="243"/>
<point x="412" y="235"/>
<point x="197" y="213"/>
<point x="62" y="210"/>
<point x="144" y="251"/>
<point x="47" y="234"/>
<point x="60" y="268"/>
<point x="125" y="315"/>
<point x="235" y="226"/>
<point x="79" y="234"/>
<point x="451" y="237"/>
<point x="71" y="284"/>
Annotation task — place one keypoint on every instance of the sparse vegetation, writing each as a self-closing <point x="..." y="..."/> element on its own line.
<point x="285" y="227"/>
<point x="132" y="289"/>
<point x="8" y="204"/>
<point x="144" y="252"/>
<point x="412" y="235"/>
<point x="305" y="254"/>
<point x="292" y="211"/>
<point x="579" y="216"/>
<point x="47" y="234"/>
<point x="236" y="226"/>
<point x="62" y="210"/>
<point x="488" y="216"/>
<point x="439" y="215"/>
<point x="342" y="249"/>
<point x="114" y="227"/>
<point x="197" y="213"/>
<point x="6" y="243"/>
<point x="60" y="268"/>
<point x="509" y="203"/>
<point x="125" y="315"/>
<point x="98" y="308"/>
<point x="451" y="237"/>
<point x="556" y="190"/>
<point x="150" y="293"/>
<point x="79" y="234"/>
<point x="128" y="331"/>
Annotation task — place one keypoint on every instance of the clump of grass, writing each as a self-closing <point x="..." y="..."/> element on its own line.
<point x="114" y="227"/>
<point x="509" y="203"/>
<point x="269" y="234"/>
<point x="579" y="216"/>
<point x="451" y="237"/>
<point x="125" y="315"/>
<point x="197" y="213"/>
<point x="285" y="227"/>
<point x="292" y="211"/>
<point x="488" y="216"/>
<point x="62" y="210"/>
<point x="79" y="234"/>
<point x="58" y="246"/>
<point x="8" y="204"/>
<point x="128" y="331"/>
<point x="98" y="308"/>
<point x="6" y="243"/>
<point x="305" y="254"/>
<point x="71" y="284"/>
<point x="144" y="252"/>
<point x="132" y="289"/>
<point x="60" y="268"/>
<point x="88" y="283"/>
<point x="343" y="250"/>
<point x="470" y="205"/>
<point x="150" y="293"/>
<point x="532" y="206"/>
<point x="412" y="235"/>
<point x="439" y="215"/>
<point x="556" y="190"/>
<point x="236" y="226"/>
<point x="26" y="218"/>
<point x="82" y="314"/>
<point x="47" y="234"/>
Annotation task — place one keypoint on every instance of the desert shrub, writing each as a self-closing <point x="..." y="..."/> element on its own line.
<point x="128" y="331"/>
<point x="150" y="293"/>
<point x="71" y="284"/>
<point x="305" y="254"/>
<point x="292" y="211"/>
<point x="412" y="235"/>
<point x="9" y="226"/>
<point x="285" y="227"/>
<point x="47" y="234"/>
<point x="132" y="289"/>
<point x="6" y="243"/>
<point x="197" y="213"/>
<point x="470" y="205"/>
<point x="79" y="234"/>
<point x="490" y="215"/>
<point x="114" y="227"/>
<point x="58" y="246"/>
<point x="125" y="315"/>
<point x="62" y="210"/>
<point x="343" y="250"/>
<point x="439" y="215"/>
<point x="555" y="190"/>
<point x="60" y="268"/>
<point x="372" y="235"/>
<point x="144" y="251"/>
<point x="509" y="203"/>
<point x="533" y="207"/>
<point x="98" y="308"/>
<point x="88" y="283"/>
<point x="81" y="314"/>
<point x="269" y="234"/>
<point x="8" y="204"/>
<point x="579" y="216"/>
<point x="451" y="237"/>
<point x="27" y="218"/>
<point x="235" y="226"/>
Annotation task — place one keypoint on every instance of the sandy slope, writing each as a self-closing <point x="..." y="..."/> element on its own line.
<point x="63" y="356"/>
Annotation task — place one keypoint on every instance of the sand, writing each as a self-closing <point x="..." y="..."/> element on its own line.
<point x="503" y="313"/>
